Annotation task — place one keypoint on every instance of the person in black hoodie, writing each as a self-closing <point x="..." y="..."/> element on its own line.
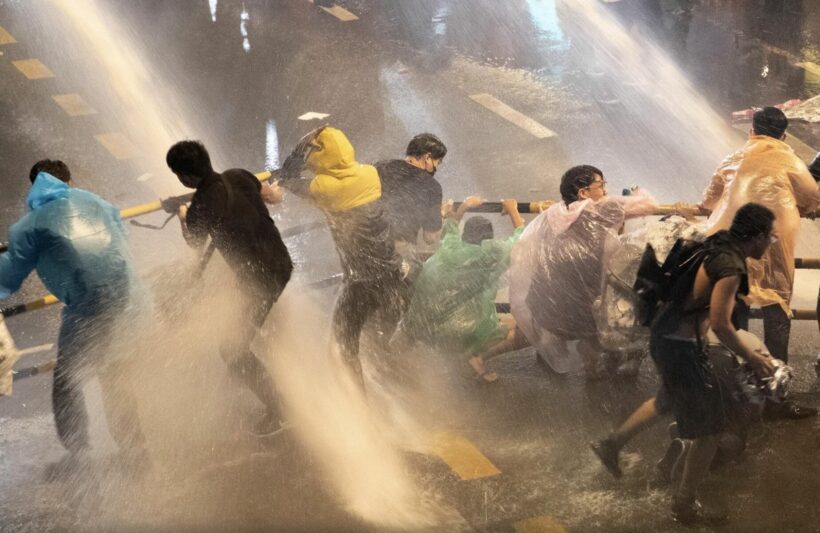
<point x="230" y="208"/>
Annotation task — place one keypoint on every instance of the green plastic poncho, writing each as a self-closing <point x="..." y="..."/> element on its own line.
<point x="453" y="304"/>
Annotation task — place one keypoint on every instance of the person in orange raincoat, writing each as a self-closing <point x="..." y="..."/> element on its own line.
<point x="766" y="171"/>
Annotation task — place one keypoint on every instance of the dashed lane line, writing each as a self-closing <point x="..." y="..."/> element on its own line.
<point x="538" y="524"/>
<point x="462" y="456"/>
<point x="339" y="12"/>
<point x="33" y="69"/>
<point x="508" y="113"/>
<point x="5" y="37"/>
<point x="74" y="105"/>
<point x="36" y="349"/>
<point x="118" y="145"/>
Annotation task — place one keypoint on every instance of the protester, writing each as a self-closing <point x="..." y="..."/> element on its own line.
<point x="348" y="193"/>
<point x="230" y="208"/>
<point x="76" y="242"/>
<point x="766" y="171"/>
<point x="453" y="304"/>
<point x="558" y="265"/>
<point x="412" y="197"/>
<point x="702" y="295"/>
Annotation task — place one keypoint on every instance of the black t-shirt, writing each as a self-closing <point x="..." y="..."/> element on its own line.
<point x="241" y="228"/>
<point x="363" y="242"/>
<point x="411" y="198"/>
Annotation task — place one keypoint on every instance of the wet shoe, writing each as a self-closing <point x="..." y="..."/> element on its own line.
<point x="607" y="451"/>
<point x="690" y="512"/>
<point x="269" y="425"/>
<point x="787" y="411"/>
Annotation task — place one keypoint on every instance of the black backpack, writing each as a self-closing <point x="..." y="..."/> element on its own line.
<point x="657" y="284"/>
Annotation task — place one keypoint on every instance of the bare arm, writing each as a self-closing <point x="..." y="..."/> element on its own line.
<point x="722" y="304"/>
<point x="510" y="207"/>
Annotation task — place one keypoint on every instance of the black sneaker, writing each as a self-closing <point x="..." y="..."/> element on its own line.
<point x="607" y="451"/>
<point x="690" y="512"/>
<point x="787" y="411"/>
<point x="268" y="425"/>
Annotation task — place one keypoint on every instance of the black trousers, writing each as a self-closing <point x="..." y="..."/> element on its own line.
<point x="85" y="337"/>
<point x="242" y="363"/>
<point x="383" y="299"/>
<point x="777" y="327"/>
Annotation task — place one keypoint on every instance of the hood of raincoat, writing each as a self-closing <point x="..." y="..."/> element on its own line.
<point x="45" y="189"/>
<point x="341" y="183"/>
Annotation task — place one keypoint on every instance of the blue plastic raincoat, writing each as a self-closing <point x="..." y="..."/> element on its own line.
<point x="75" y="241"/>
<point x="453" y="304"/>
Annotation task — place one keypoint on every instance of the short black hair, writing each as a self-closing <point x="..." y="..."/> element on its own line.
<point x="55" y="167"/>
<point x="477" y="229"/>
<point x="189" y="157"/>
<point x="426" y="143"/>
<point x="752" y="220"/>
<point x="576" y="179"/>
<point x="814" y="167"/>
<point x="770" y="121"/>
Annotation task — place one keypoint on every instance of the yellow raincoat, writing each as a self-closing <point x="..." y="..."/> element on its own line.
<point x="765" y="171"/>
<point x="341" y="183"/>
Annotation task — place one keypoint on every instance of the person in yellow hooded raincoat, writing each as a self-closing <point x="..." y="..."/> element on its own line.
<point x="768" y="172"/>
<point x="349" y="192"/>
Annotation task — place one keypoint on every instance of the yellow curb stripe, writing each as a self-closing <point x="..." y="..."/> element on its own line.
<point x="5" y="37"/>
<point x="463" y="457"/>
<point x="539" y="524"/>
<point x="341" y="13"/>
<point x="516" y="117"/>
<point x="33" y="69"/>
<point x="118" y="145"/>
<point x="73" y="104"/>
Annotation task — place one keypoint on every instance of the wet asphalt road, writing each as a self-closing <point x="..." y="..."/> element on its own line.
<point x="401" y="68"/>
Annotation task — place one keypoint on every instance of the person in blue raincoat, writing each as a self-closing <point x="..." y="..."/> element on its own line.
<point x="76" y="242"/>
<point x="453" y="303"/>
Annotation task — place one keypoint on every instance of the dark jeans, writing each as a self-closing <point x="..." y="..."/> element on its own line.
<point x="382" y="299"/>
<point x="242" y="363"/>
<point x="776" y="327"/>
<point x="85" y="335"/>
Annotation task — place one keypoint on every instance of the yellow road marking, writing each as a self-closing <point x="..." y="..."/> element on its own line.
<point x="5" y="37"/>
<point x="463" y="457"/>
<point x="118" y="145"/>
<point x="33" y="69"/>
<point x="339" y="12"/>
<point x="539" y="524"/>
<point x="73" y="104"/>
<point x="508" y="113"/>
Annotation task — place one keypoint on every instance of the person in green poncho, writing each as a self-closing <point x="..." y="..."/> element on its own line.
<point x="453" y="304"/>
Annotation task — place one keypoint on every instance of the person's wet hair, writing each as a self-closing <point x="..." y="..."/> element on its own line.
<point x="770" y="121"/>
<point x="426" y="143"/>
<point x="477" y="229"/>
<point x="752" y="220"/>
<point x="55" y="167"/>
<point x="190" y="158"/>
<point x="576" y="179"/>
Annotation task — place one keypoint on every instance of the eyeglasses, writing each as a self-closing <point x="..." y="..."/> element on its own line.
<point x="601" y="183"/>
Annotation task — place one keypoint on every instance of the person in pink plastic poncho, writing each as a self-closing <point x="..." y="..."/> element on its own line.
<point x="558" y="266"/>
<point x="766" y="171"/>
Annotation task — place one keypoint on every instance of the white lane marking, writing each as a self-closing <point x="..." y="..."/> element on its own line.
<point x="312" y="115"/>
<point x="145" y="177"/>
<point x="244" y="17"/>
<point x="36" y="349"/>
<point x="271" y="146"/>
<point x="508" y="113"/>
<point x="212" y="4"/>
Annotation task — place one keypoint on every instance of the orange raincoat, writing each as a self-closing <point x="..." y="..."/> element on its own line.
<point x="768" y="172"/>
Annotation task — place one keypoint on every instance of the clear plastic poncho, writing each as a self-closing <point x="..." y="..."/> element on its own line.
<point x="559" y="268"/>
<point x="453" y="304"/>
<point x="768" y="172"/>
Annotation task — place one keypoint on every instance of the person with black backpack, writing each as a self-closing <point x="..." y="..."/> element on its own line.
<point x="230" y="208"/>
<point x="699" y="293"/>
